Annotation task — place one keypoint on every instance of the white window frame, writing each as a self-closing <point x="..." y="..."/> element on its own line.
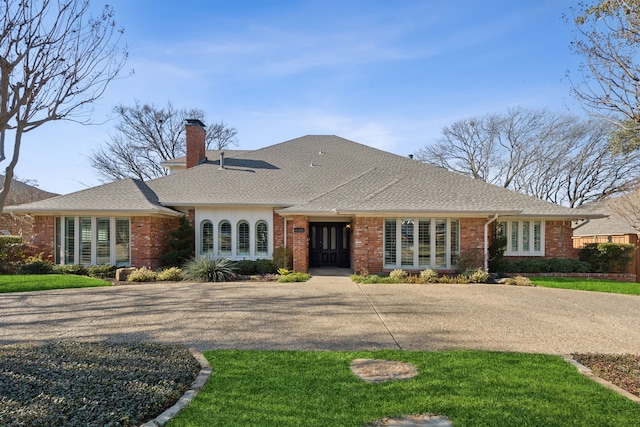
<point x="520" y="251"/>
<point x="60" y="230"/>
<point x="449" y="256"/>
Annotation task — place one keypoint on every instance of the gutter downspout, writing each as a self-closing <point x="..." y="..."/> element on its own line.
<point x="486" y="241"/>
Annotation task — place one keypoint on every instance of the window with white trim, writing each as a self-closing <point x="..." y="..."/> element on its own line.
<point x="418" y="243"/>
<point x="524" y="237"/>
<point x="224" y="238"/>
<point x="262" y="238"/>
<point x="244" y="238"/>
<point x="92" y="240"/>
<point x="206" y="238"/>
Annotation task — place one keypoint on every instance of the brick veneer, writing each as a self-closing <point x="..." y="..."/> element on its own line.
<point x="558" y="240"/>
<point x="149" y="240"/>
<point x="367" y="245"/>
<point x="43" y="238"/>
<point x="300" y="244"/>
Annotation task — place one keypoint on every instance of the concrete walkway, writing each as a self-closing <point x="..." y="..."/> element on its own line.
<point x="329" y="313"/>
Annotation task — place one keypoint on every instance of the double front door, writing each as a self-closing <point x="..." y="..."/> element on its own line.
<point x="328" y="244"/>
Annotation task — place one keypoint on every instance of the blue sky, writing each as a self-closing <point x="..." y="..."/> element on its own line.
<point x="389" y="74"/>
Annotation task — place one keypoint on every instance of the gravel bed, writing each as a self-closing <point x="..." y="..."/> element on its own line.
<point x="91" y="384"/>
<point x="622" y="370"/>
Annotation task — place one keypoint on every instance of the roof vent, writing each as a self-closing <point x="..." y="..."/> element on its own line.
<point x="411" y="156"/>
<point x="222" y="160"/>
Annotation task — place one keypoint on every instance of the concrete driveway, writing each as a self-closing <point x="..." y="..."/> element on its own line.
<point x="329" y="313"/>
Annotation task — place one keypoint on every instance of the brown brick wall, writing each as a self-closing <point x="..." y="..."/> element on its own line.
<point x="472" y="239"/>
<point x="300" y="244"/>
<point x="278" y="231"/>
<point x="368" y="244"/>
<point x="149" y="240"/>
<point x="43" y="238"/>
<point x="558" y="238"/>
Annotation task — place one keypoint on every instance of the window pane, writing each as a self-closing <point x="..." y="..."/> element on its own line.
<point x="537" y="236"/>
<point x="514" y="236"/>
<point x="85" y="241"/>
<point x="123" y="254"/>
<point x="345" y="238"/>
<point x="262" y="238"/>
<point x="390" y="241"/>
<point x="424" y="242"/>
<point x="334" y="233"/>
<point x="313" y="237"/>
<point x="69" y="240"/>
<point x="206" y="236"/>
<point x="406" y="231"/>
<point x="103" y="241"/>
<point x="455" y="239"/>
<point x="325" y="238"/>
<point x="244" y="245"/>
<point x="224" y="238"/>
<point x="525" y="236"/>
<point x="441" y="243"/>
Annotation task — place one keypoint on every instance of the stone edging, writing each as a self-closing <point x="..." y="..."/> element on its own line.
<point x="196" y="386"/>
<point x="589" y="374"/>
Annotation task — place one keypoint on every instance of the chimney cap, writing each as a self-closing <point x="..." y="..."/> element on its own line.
<point x="195" y="122"/>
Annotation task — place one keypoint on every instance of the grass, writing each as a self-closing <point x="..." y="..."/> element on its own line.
<point x="609" y="286"/>
<point x="45" y="282"/>
<point x="472" y="388"/>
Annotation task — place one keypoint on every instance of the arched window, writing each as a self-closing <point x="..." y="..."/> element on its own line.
<point x="224" y="238"/>
<point x="244" y="245"/>
<point x="262" y="238"/>
<point x="206" y="238"/>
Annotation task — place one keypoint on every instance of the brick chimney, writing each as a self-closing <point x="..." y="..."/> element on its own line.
<point x="195" y="142"/>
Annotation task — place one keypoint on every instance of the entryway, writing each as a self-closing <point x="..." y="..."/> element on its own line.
<point x="329" y="244"/>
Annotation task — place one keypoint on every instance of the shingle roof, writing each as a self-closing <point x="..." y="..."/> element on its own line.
<point x="322" y="175"/>
<point x="126" y="195"/>
<point x="612" y="225"/>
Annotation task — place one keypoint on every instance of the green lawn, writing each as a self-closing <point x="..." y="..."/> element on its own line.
<point x="45" y="282"/>
<point x="472" y="388"/>
<point x="610" y="286"/>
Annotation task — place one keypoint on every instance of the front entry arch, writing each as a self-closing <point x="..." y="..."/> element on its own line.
<point x="329" y="244"/>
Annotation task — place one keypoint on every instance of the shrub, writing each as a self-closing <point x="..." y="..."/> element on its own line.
<point x="142" y="274"/>
<point x="294" y="277"/>
<point x="283" y="258"/>
<point x="181" y="243"/>
<point x="171" y="274"/>
<point x="206" y="269"/>
<point x="284" y="271"/>
<point x="36" y="265"/>
<point x="453" y="279"/>
<point x="607" y="257"/>
<point x="102" y="271"/>
<point x="479" y="275"/>
<point x="265" y="266"/>
<point x="5" y="243"/>
<point x="428" y="276"/>
<point x="551" y="265"/>
<point x="76" y="269"/>
<point x="246" y="267"/>
<point x="516" y="281"/>
<point x="398" y="275"/>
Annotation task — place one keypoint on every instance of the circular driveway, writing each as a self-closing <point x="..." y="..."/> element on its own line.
<point x="329" y="313"/>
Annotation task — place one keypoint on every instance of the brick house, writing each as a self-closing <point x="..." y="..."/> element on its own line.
<point x="334" y="202"/>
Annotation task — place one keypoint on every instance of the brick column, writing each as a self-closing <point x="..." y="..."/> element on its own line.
<point x="300" y="244"/>
<point x="367" y="245"/>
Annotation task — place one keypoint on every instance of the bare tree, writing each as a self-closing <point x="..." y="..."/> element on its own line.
<point x="146" y="135"/>
<point x="554" y="157"/>
<point x="55" y="59"/>
<point x="607" y="39"/>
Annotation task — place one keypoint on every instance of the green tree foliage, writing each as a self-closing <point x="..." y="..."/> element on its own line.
<point x="182" y="244"/>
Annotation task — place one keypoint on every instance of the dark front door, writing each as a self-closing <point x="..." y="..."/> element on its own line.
<point x="328" y="244"/>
